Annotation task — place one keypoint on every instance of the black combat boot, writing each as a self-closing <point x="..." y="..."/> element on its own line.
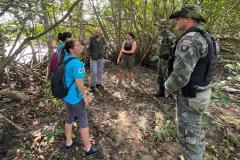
<point x="161" y="92"/>
<point x="170" y="98"/>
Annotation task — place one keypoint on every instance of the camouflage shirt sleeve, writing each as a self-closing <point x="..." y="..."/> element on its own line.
<point x="159" y="42"/>
<point x="189" y="49"/>
<point x="172" y="38"/>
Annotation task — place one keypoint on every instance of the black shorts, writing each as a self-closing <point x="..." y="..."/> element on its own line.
<point x="78" y="110"/>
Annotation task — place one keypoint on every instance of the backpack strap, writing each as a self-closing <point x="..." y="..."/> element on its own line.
<point x="68" y="60"/>
<point x="65" y="63"/>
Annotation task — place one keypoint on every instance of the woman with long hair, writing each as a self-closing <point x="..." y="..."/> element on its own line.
<point x="77" y="99"/>
<point x="127" y="58"/>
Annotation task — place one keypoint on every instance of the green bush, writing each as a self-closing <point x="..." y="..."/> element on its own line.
<point x="49" y="97"/>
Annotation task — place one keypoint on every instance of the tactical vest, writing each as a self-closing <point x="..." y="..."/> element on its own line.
<point x="206" y="66"/>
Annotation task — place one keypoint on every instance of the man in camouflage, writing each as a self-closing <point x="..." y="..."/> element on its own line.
<point x="193" y="69"/>
<point x="164" y="42"/>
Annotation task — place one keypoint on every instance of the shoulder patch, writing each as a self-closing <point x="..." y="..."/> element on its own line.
<point x="185" y="45"/>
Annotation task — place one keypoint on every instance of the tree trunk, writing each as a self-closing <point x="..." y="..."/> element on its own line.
<point x="81" y="21"/>
<point x="155" y="11"/>
<point x="8" y="59"/>
<point x="119" y="23"/>
<point x="100" y="21"/>
<point x="2" y="52"/>
<point x="34" y="55"/>
<point x="47" y="26"/>
<point x="71" y="23"/>
<point x="165" y="8"/>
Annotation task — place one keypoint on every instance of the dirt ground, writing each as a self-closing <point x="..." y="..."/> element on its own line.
<point x="130" y="124"/>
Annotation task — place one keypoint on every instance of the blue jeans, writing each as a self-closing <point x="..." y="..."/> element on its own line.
<point x="96" y="67"/>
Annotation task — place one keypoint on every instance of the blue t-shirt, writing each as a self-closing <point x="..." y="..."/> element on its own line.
<point x="73" y="70"/>
<point x="59" y="48"/>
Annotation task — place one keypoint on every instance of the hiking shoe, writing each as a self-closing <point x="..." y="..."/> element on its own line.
<point x="71" y="146"/>
<point x="159" y="94"/>
<point x="92" y="88"/>
<point x="99" y="86"/>
<point x="170" y="98"/>
<point x="94" y="150"/>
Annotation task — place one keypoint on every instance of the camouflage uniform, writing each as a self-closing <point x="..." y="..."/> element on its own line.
<point x="164" y="42"/>
<point x="189" y="111"/>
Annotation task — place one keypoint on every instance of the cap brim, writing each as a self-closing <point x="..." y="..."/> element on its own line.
<point x="181" y="14"/>
<point x="202" y="19"/>
<point x="175" y="15"/>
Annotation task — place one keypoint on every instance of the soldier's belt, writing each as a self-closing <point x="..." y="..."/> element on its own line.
<point x="190" y="91"/>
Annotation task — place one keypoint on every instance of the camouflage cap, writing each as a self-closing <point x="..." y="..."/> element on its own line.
<point x="162" y="23"/>
<point x="189" y="11"/>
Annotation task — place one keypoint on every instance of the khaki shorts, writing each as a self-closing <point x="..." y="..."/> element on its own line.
<point x="127" y="62"/>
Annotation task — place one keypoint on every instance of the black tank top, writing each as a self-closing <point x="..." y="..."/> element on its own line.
<point x="127" y="46"/>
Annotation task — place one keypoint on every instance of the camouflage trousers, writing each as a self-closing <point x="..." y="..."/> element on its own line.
<point x="191" y="136"/>
<point x="162" y="71"/>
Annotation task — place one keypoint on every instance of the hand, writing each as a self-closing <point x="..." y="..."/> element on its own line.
<point x="172" y="93"/>
<point x="118" y="60"/>
<point x="86" y="100"/>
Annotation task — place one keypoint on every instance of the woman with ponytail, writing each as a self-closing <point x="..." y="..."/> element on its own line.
<point x="62" y="38"/>
<point x="77" y="99"/>
<point x="54" y="59"/>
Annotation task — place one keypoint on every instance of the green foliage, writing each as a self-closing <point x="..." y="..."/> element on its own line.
<point x="237" y="78"/>
<point x="48" y="134"/>
<point x="48" y="96"/>
<point x="219" y="93"/>
<point x="233" y="67"/>
<point x="167" y="132"/>
<point x="57" y="130"/>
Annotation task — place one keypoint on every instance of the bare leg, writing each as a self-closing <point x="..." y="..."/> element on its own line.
<point x="84" y="132"/>
<point x="130" y="75"/>
<point x="68" y="133"/>
<point x="121" y="75"/>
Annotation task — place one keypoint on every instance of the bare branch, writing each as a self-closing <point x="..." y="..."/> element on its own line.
<point x="6" y="8"/>
<point x="26" y="40"/>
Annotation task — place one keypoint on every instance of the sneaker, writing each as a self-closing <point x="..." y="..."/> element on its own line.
<point x="99" y="86"/>
<point x="71" y="146"/>
<point x="159" y="94"/>
<point x="170" y="98"/>
<point x="94" y="150"/>
<point x="92" y="88"/>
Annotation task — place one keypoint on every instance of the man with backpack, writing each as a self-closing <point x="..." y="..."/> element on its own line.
<point x="194" y="64"/>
